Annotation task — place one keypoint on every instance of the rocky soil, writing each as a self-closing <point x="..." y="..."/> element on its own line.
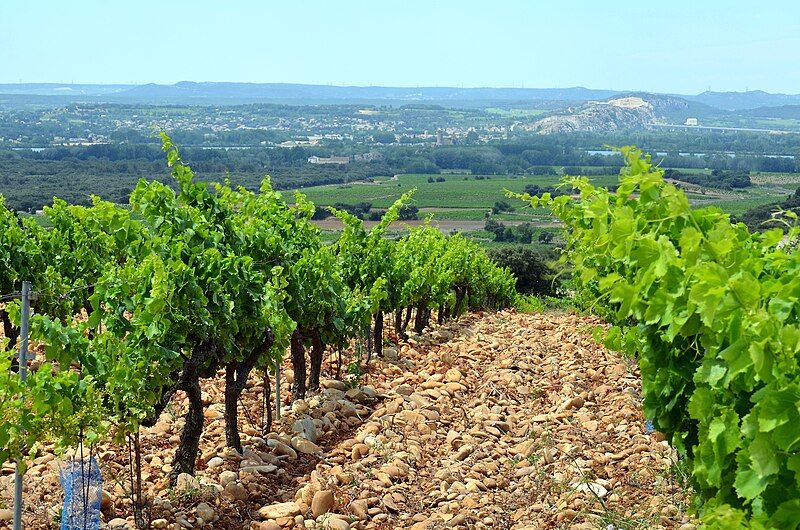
<point x="498" y="421"/>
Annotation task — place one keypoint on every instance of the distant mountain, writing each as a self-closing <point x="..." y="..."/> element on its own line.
<point x="745" y="100"/>
<point x="628" y="111"/>
<point x="61" y="89"/>
<point x="213" y="93"/>
<point x="290" y="91"/>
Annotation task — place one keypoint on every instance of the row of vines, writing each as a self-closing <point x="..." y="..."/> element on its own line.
<point x="712" y="313"/>
<point x="137" y="304"/>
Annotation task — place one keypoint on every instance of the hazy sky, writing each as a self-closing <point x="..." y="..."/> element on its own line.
<point x="666" y="46"/>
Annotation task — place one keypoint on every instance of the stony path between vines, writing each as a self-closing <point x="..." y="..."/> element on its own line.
<point x="499" y="421"/>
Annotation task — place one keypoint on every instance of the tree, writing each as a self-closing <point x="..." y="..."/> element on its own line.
<point x="494" y="227"/>
<point x="502" y="206"/>
<point x="533" y="275"/>
<point x="408" y="212"/>
<point x="545" y="237"/>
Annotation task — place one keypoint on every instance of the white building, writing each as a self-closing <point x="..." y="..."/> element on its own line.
<point x="329" y="160"/>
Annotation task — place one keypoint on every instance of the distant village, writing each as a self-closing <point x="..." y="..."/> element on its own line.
<point x="246" y="125"/>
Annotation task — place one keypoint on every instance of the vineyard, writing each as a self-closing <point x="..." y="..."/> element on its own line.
<point x="711" y="312"/>
<point x="135" y="305"/>
<point x="417" y="399"/>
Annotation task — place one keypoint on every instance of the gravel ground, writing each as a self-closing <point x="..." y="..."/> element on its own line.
<point x="501" y="421"/>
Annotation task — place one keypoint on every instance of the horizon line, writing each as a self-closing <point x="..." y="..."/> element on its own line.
<point x="389" y="86"/>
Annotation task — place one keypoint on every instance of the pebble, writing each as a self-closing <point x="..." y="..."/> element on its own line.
<point x="205" y="512"/>
<point x="390" y="503"/>
<point x="464" y="452"/>
<point x="279" y="510"/>
<point x="299" y="406"/>
<point x="118" y="524"/>
<point x="334" y="523"/>
<point x="282" y="449"/>
<point x="305" y="427"/>
<point x="236" y="492"/>
<point x="322" y="502"/>
<point x="215" y="462"/>
<point x="452" y="375"/>
<point x="186" y="482"/>
<point x="359" y="508"/>
<point x="334" y="384"/>
<point x="304" y="446"/>
<point x="226" y="477"/>
<point x="458" y="520"/>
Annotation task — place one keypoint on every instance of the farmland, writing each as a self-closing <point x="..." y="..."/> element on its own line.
<point x="460" y="201"/>
<point x="457" y="192"/>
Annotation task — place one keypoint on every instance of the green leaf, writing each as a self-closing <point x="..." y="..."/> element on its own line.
<point x="787" y="516"/>
<point x="762" y="456"/>
<point x="749" y="485"/>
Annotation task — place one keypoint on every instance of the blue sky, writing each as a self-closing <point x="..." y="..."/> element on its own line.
<point x="667" y="46"/>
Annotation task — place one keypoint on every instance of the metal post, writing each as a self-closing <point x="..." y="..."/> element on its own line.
<point x="23" y="375"/>
<point x="278" y="390"/>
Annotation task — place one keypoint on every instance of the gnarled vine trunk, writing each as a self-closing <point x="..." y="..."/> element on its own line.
<point x="407" y="319"/>
<point x="236" y="375"/>
<point x="11" y="333"/>
<point x="317" y="352"/>
<point x="398" y="322"/>
<point x="188" y="381"/>
<point x="422" y="317"/>
<point x="186" y="455"/>
<point x="298" y="354"/>
<point x="461" y="293"/>
<point x="377" y="338"/>
<point x="267" y="425"/>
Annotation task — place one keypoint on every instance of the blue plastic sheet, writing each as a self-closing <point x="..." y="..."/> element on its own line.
<point x="83" y="492"/>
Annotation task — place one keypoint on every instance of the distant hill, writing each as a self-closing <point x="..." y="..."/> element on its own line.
<point x="61" y="89"/>
<point x="288" y="91"/>
<point x="745" y="100"/>
<point x="624" y="112"/>
<point x="214" y="93"/>
<point x="783" y="112"/>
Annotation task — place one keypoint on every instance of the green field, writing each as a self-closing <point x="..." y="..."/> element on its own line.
<point x="462" y="202"/>
<point x="739" y="206"/>
<point x="456" y="192"/>
<point x="463" y="197"/>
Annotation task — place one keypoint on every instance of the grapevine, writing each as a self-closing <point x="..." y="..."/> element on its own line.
<point x="711" y="311"/>
<point x="194" y="280"/>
